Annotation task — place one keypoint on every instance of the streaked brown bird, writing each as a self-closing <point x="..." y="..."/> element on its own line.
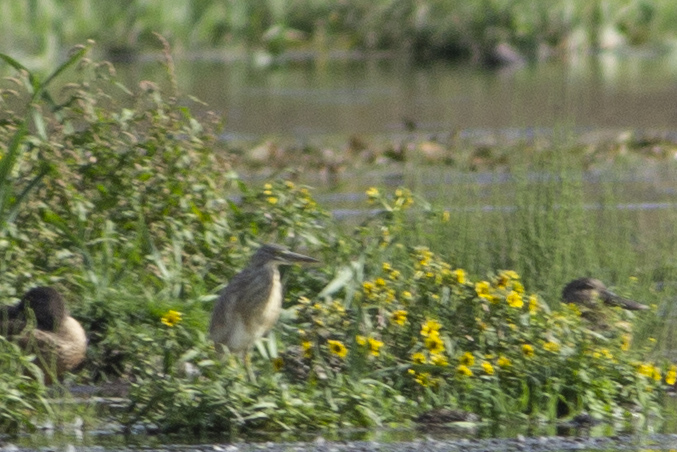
<point x="58" y="340"/>
<point x="591" y="295"/>
<point x="251" y="303"/>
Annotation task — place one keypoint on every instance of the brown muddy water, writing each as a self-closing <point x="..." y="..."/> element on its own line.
<point x="385" y="96"/>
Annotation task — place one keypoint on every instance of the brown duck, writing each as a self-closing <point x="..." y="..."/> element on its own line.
<point x="591" y="295"/>
<point x="58" y="340"/>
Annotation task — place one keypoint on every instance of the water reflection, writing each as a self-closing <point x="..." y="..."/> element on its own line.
<point x="384" y="96"/>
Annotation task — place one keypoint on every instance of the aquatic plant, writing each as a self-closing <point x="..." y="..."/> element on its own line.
<point x="142" y="218"/>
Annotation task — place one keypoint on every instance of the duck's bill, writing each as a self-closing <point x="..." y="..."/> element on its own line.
<point x="625" y="303"/>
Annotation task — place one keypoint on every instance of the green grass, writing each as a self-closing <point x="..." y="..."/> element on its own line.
<point x="432" y="302"/>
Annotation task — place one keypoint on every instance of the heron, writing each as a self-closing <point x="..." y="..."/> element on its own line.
<point x="251" y="303"/>
<point x="591" y="295"/>
<point x="58" y="340"/>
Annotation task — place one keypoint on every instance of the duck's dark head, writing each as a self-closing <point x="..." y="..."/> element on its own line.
<point x="590" y="291"/>
<point x="48" y="307"/>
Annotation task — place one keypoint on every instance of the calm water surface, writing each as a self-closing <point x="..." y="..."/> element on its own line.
<point x="378" y="97"/>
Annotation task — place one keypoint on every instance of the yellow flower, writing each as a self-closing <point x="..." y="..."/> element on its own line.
<point x="434" y="344"/>
<point x="464" y="370"/>
<point x="418" y="358"/>
<point x="395" y="275"/>
<point x="625" y="344"/>
<point x="487" y="367"/>
<point x="483" y="291"/>
<point x="514" y="299"/>
<point x="503" y="362"/>
<point x="528" y="350"/>
<point x="533" y="303"/>
<point x="361" y="340"/>
<point x="337" y="348"/>
<point x="307" y="348"/>
<point x="374" y="346"/>
<point x="439" y="360"/>
<point x="171" y="318"/>
<point x="267" y="187"/>
<point x="510" y="274"/>
<point x="272" y="200"/>
<point x="372" y="192"/>
<point x="407" y="295"/>
<point x="289" y="184"/>
<point x="656" y="375"/>
<point x="425" y="379"/>
<point x="468" y="359"/>
<point x="482" y="288"/>
<point x="446" y="216"/>
<point x="671" y="376"/>
<point x="518" y="287"/>
<point x="386" y="267"/>
<point x="645" y="369"/>
<point x="380" y="282"/>
<point x="399" y="317"/>
<point x="551" y="346"/>
<point x="429" y="327"/>
<point x="460" y="275"/>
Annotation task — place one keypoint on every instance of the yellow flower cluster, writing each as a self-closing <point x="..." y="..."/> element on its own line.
<point x="551" y="346"/>
<point x="649" y="370"/>
<point x="171" y="318"/>
<point x="430" y="327"/>
<point x="528" y="350"/>
<point x="467" y="359"/>
<point x="393" y="274"/>
<point x="403" y="199"/>
<point x="372" y="194"/>
<point x="483" y="290"/>
<point x="464" y="370"/>
<point x="488" y="368"/>
<point x="430" y="331"/>
<point x="378" y="290"/>
<point x="626" y="341"/>
<point x="602" y="353"/>
<point x="399" y="317"/>
<point x="307" y="349"/>
<point x="514" y="299"/>
<point x="533" y="304"/>
<point x="268" y="192"/>
<point x="503" y="362"/>
<point x="374" y="344"/>
<point x="425" y="379"/>
<point x="671" y="375"/>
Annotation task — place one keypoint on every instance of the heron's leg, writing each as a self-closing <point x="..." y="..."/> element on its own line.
<point x="246" y="358"/>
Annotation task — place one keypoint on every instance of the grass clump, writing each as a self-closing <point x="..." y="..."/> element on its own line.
<point x="139" y="218"/>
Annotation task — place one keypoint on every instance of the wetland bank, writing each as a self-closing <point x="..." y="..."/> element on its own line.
<point x="443" y="292"/>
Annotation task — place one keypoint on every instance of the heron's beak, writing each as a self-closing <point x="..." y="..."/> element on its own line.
<point x="625" y="303"/>
<point x="296" y="257"/>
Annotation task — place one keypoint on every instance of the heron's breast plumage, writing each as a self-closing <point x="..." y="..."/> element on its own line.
<point x="270" y="312"/>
